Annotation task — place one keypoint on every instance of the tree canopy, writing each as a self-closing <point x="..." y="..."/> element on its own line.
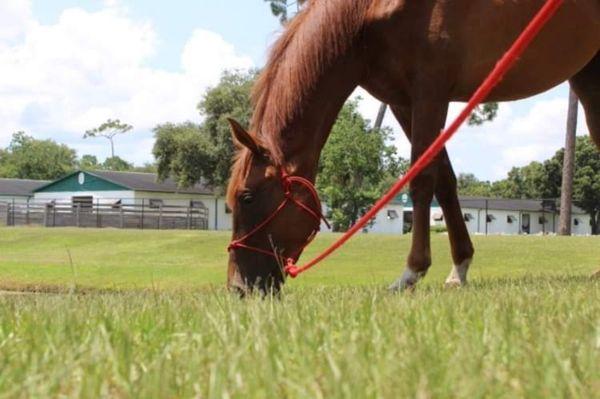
<point x="192" y="152"/>
<point x="357" y="164"/>
<point x="109" y="130"/>
<point x="29" y="158"/>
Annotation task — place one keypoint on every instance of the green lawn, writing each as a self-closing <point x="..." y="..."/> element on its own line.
<point x="164" y="327"/>
<point x="129" y="259"/>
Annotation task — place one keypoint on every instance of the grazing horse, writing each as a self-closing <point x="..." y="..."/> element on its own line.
<point x="416" y="56"/>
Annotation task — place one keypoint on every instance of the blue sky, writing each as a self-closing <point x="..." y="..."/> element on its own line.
<point x="251" y="27"/>
<point x="68" y="65"/>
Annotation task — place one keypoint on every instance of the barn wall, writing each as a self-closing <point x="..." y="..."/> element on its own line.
<point x="385" y="225"/>
<point x="382" y="225"/>
<point x="584" y="227"/>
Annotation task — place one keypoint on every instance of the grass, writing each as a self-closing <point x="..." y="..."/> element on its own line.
<point x="133" y="259"/>
<point x="527" y="327"/>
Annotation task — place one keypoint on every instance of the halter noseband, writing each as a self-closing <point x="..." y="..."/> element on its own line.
<point x="287" y="182"/>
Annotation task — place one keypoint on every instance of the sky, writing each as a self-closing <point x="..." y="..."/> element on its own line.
<point x="66" y="66"/>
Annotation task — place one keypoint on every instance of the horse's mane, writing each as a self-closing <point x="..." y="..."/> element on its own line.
<point x="322" y="32"/>
<point x="317" y="36"/>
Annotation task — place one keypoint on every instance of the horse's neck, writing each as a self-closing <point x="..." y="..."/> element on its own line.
<point x="305" y="136"/>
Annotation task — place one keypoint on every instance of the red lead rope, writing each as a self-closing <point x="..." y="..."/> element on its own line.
<point x="507" y="61"/>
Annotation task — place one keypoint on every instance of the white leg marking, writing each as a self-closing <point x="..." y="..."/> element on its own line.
<point x="458" y="275"/>
<point x="408" y="280"/>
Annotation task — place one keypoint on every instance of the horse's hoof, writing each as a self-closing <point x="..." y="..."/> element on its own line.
<point x="458" y="275"/>
<point x="452" y="283"/>
<point x="407" y="282"/>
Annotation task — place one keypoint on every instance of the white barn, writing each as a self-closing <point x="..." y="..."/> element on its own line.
<point x="133" y="188"/>
<point x="510" y="216"/>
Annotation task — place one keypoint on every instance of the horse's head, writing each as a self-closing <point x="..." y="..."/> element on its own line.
<point x="274" y="216"/>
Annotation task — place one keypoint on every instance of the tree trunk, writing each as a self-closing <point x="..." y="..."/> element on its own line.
<point x="594" y="222"/>
<point x="566" y="198"/>
<point x="380" y="116"/>
<point x="112" y="148"/>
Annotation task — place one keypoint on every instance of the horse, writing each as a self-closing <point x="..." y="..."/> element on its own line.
<point x="416" y="56"/>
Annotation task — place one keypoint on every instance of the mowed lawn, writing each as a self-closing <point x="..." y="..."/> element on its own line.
<point x="134" y="259"/>
<point x="144" y="314"/>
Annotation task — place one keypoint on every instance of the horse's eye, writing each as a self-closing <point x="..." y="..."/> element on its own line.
<point x="247" y="197"/>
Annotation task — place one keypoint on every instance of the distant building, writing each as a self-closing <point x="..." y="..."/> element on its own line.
<point x="86" y="189"/>
<point x="18" y="189"/>
<point x="89" y="188"/>
<point x="508" y="216"/>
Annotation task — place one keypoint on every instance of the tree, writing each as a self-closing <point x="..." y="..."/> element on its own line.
<point x="354" y="166"/>
<point x="189" y="152"/>
<point x="521" y="183"/>
<point x="566" y="198"/>
<point x="468" y="184"/>
<point x="109" y="130"/>
<point x="89" y="162"/>
<point x="280" y="8"/>
<point x="586" y="181"/>
<point x="483" y="113"/>
<point x="184" y="151"/>
<point x="117" y="164"/>
<point x="29" y="158"/>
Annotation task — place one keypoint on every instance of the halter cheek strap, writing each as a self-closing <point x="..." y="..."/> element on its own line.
<point x="288" y="183"/>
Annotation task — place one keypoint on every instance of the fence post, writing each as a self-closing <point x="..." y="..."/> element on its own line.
<point x="78" y="215"/>
<point x="54" y="215"/>
<point x="13" y="212"/>
<point x="188" y="221"/>
<point x="143" y="213"/>
<point x="8" y="213"/>
<point x="160" y="211"/>
<point x="122" y="216"/>
<point x="27" y="213"/>
<point x="98" y="219"/>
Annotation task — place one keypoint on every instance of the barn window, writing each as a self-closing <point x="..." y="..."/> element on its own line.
<point x="197" y="204"/>
<point x="576" y="222"/>
<point x="542" y="220"/>
<point x="438" y="216"/>
<point x="490" y="218"/>
<point x="392" y="214"/>
<point x="156" y="203"/>
<point x="468" y="217"/>
<point x="511" y="219"/>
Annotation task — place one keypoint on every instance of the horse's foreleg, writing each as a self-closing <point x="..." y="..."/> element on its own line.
<point x="426" y="121"/>
<point x="445" y="191"/>
<point x="460" y="242"/>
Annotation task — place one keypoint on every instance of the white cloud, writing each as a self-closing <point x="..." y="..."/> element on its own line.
<point x="64" y="78"/>
<point x="524" y="131"/>
<point x="15" y="16"/>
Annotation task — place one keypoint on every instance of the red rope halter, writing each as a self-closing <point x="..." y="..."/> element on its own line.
<point x="287" y="182"/>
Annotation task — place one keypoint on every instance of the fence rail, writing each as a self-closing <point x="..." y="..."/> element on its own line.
<point x="100" y="215"/>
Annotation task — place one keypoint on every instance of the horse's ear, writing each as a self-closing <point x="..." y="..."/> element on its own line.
<point x="242" y="138"/>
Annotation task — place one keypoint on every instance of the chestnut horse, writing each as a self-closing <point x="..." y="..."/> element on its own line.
<point x="416" y="56"/>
